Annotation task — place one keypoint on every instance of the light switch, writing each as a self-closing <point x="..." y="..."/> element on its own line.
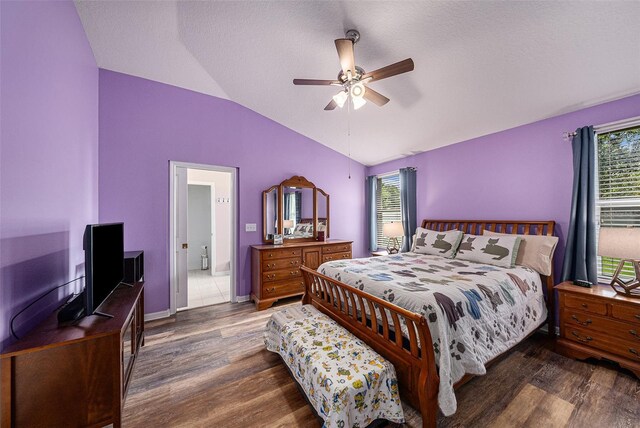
<point x="250" y="227"/>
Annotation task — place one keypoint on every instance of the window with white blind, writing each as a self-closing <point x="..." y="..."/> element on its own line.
<point x="618" y="192"/>
<point x="387" y="204"/>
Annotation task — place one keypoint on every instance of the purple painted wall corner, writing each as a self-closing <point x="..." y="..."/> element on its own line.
<point x="523" y="173"/>
<point x="49" y="149"/>
<point x="145" y="124"/>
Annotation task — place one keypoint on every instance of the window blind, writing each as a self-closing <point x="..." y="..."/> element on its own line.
<point x="387" y="204"/>
<point x="618" y="200"/>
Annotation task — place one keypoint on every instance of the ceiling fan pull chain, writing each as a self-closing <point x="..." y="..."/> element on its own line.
<point x="349" y="135"/>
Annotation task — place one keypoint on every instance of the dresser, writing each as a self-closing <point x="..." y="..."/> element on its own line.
<point x="597" y="322"/>
<point x="275" y="269"/>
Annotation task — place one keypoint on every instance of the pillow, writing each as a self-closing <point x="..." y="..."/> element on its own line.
<point x="536" y="251"/>
<point x="498" y="251"/>
<point x="442" y="244"/>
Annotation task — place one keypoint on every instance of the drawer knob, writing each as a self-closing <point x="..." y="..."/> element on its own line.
<point x="271" y="276"/>
<point x="634" y="352"/>
<point x="345" y="256"/>
<point x="638" y="316"/>
<point x="634" y="333"/>
<point x="293" y="272"/>
<point x="575" y="318"/>
<point x="270" y="255"/>
<point x="582" y="339"/>
<point x="584" y="305"/>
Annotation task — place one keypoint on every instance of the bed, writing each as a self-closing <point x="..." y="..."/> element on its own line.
<point x="486" y="311"/>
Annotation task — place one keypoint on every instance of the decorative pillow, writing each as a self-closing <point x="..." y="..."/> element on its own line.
<point x="437" y="243"/>
<point x="498" y="251"/>
<point x="536" y="251"/>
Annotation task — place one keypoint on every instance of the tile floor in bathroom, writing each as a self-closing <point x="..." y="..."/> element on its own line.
<point x="205" y="290"/>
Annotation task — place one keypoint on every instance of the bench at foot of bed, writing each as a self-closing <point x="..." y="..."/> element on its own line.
<point x="347" y="382"/>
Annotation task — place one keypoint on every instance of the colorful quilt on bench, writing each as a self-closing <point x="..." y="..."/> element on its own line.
<point x="348" y="383"/>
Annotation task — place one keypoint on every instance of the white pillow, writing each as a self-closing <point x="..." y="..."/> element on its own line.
<point x="443" y="244"/>
<point x="536" y="251"/>
<point x="497" y="250"/>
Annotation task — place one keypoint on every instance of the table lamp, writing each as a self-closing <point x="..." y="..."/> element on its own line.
<point x="392" y="231"/>
<point x="622" y="243"/>
<point x="287" y="224"/>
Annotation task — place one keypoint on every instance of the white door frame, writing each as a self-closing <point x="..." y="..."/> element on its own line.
<point x="173" y="165"/>
<point x="212" y="248"/>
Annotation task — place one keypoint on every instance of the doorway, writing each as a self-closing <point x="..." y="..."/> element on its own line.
<point x="203" y="235"/>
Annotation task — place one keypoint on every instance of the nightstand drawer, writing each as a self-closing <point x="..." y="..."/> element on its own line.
<point x="627" y="313"/>
<point x="585" y="304"/>
<point x="590" y="322"/>
<point x="603" y="341"/>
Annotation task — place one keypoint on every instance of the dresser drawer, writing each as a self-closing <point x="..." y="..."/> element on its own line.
<point x="282" y="288"/>
<point x="603" y="341"/>
<point x="336" y="248"/>
<point x="278" y="264"/>
<point x="336" y="256"/>
<point x="584" y="304"/>
<point x="627" y="313"/>
<point x="590" y="322"/>
<point x="278" y="275"/>
<point x="281" y="253"/>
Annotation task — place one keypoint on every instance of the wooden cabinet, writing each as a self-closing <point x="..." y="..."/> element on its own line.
<point x="597" y="322"/>
<point x="76" y="375"/>
<point x="275" y="269"/>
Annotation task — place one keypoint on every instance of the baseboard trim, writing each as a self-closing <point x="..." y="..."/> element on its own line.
<point x="241" y="299"/>
<point x="157" y="315"/>
<point x="223" y="273"/>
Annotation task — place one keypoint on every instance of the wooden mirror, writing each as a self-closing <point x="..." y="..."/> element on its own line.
<point x="300" y="212"/>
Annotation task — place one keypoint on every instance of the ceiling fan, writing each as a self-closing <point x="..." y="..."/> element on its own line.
<point x="353" y="79"/>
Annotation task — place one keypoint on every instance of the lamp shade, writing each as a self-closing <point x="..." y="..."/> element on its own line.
<point x="619" y="242"/>
<point x="287" y="224"/>
<point x="392" y="230"/>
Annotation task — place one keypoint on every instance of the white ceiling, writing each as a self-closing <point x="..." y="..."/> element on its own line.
<point x="480" y="67"/>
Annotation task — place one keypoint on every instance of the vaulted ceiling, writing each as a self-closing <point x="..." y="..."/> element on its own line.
<point x="480" y="67"/>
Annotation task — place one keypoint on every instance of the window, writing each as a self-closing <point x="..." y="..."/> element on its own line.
<point x="618" y="187"/>
<point x="387" y="204"/>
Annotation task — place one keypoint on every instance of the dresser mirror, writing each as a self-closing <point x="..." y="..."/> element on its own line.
<point x="270" y="213"/>
<point x="300" y="212"/>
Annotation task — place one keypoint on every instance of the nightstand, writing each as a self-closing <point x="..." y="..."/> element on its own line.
<point x="599" y="323"/>
<point x="379" y="253"/>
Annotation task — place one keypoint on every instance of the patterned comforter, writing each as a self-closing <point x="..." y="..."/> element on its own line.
<point x="474" y="311"/>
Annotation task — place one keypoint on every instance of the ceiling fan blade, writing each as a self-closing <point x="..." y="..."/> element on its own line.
<point x="345" y="53"/>
<point x="316" y="82"/>
<point x="331" y="105"/>
<point x="375" y="97"/>
<point x="390" y="70"/>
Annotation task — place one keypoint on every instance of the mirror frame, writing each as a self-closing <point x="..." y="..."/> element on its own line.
<point x="299" y="182"/>
<point x="265" y="194"/>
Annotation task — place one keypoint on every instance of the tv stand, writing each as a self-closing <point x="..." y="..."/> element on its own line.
<point x="74" y="375"/>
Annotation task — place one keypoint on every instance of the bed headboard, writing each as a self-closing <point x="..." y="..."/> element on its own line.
<point x="522" y="227"/>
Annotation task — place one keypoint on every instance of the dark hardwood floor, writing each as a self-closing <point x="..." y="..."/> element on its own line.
<point x="208" y="367"/>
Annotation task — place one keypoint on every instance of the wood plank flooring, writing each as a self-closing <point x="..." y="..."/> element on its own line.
<point x="208" y="367"/>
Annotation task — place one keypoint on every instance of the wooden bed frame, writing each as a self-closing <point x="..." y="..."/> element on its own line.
<point x="414" y="363"/>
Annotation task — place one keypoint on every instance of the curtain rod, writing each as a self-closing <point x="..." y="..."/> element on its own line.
<point x="608" y="127"/>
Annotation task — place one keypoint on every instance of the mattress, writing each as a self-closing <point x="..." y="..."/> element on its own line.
<point x="474" y="311"/>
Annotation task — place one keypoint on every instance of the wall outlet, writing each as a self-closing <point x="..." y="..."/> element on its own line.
<point x="250" y="227"/>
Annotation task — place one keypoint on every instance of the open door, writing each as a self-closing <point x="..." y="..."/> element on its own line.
<point x="181" y="242"/>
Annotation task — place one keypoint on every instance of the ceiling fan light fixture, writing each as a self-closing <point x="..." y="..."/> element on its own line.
<point x="357" y="90"/>
<point x="340" y="98"/>
<point x="358" y="102"/>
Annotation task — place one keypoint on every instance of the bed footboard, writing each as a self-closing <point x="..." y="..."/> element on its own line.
<point x="378" y="323"/>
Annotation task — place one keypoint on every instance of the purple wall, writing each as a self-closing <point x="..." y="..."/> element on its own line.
<point x="524" y="173"/>
<point x="49" y="148"/>
<point x="145" y="124"/>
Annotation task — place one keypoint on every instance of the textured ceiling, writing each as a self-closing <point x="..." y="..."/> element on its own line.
<point x="480" y="67"/>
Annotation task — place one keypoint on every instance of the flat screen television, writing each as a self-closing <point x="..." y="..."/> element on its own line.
<point x="104" y="262"/>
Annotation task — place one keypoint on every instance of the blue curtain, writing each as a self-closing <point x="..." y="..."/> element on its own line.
<point x="370" y="201"/>
<point x="408" y="205"/>
<point x="298" y="206"/>
<point x="580" y="260"/>
<point x="287" y="206"/>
